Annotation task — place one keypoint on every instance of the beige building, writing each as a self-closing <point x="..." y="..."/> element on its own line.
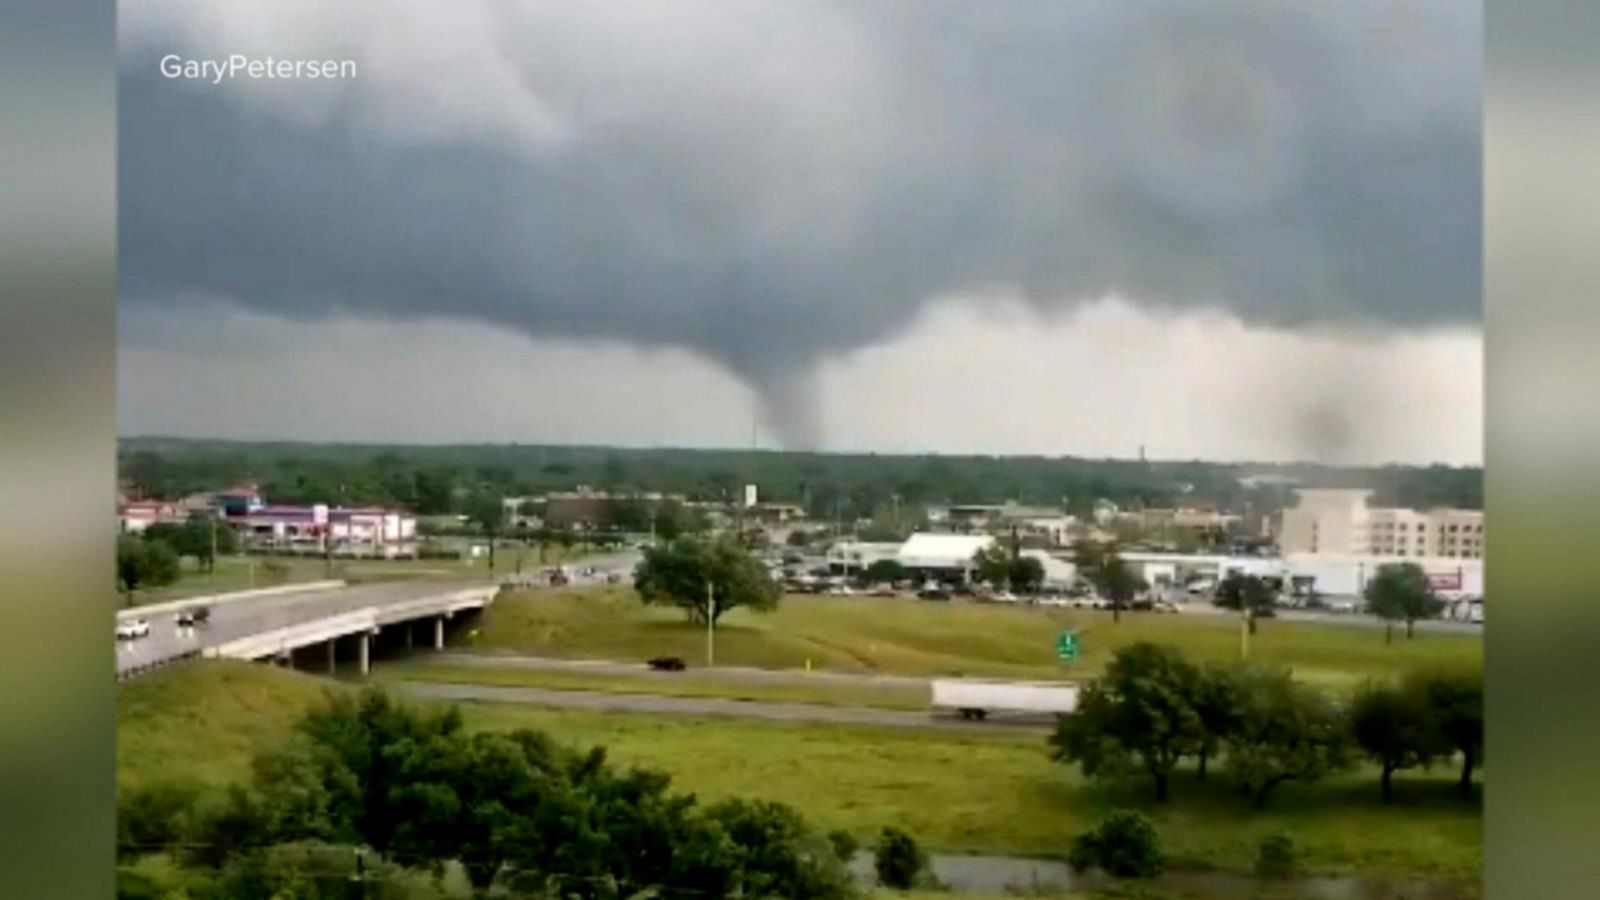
<point x="1342" y="522"/>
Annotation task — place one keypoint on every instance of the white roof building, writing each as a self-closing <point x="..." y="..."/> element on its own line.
<point x="942" y="551"/>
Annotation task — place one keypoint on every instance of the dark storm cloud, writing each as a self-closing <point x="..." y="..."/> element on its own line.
<point x="1294" y="163"/>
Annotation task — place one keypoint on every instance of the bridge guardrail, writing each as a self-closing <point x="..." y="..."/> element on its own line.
<point x="172" y="606"/>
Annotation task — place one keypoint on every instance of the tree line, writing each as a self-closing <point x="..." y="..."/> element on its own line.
<point x="887" y="489"/>
<point x="1154" y="710"/>
<point x="152" y="558"/>
<point x="394" y="790"/>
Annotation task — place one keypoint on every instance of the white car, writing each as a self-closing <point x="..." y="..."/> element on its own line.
<point x="133" y="629"/>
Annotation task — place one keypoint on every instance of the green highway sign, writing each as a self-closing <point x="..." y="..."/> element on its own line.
<point x="1067" y="646"/>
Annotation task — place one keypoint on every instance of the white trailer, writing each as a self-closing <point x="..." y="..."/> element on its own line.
<point x="975" y="698"/>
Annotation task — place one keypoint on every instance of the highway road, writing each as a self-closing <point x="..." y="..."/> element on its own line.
<point x="241" y="617"/>
<point x="246" y="616"/>
<point x="705" y="706"/>
<point x="492" y="660"/>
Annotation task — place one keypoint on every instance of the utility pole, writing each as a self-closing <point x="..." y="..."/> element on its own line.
<point x="711" y="625"/>
<point x="211" y="565"/>
<point x="1244" y="631"/>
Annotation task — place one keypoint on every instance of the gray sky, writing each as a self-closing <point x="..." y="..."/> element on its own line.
<point x="1232" y="229"/>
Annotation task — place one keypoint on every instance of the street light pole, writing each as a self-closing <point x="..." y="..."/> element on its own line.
<point x="711" y="626"/>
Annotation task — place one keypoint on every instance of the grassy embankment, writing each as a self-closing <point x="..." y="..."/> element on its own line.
<point x="914" y="637"/>
<point x="994" y="792"/>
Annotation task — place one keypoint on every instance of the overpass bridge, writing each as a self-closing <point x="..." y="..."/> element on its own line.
<point x="289" y="622"/>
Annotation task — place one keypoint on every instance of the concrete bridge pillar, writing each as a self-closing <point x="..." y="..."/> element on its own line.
<point x="366" y="652"/>
<point x="333" y="656"/>
<point x="407" y="628"/>
<point x="438" y="633"/>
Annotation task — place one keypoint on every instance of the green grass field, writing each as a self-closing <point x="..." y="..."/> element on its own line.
<point x="977" y="791"/>
<point x="916" y="637"/>
<point x="677" y="685"/>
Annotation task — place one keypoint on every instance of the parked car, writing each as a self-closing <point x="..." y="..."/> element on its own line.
<point x="668" y="664"/>
<point x="933" y="594"/>
<point x="133" y="629"/>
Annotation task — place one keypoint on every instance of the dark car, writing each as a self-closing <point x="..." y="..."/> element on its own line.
<point x="197" y="615"/>
<point x="934" y="594"/>
<point x="667" y="664"/>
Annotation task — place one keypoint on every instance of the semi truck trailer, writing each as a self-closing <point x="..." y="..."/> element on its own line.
<point x="975" y="698"/>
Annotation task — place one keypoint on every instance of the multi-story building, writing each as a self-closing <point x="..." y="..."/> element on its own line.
<point x="1342" y="522"/>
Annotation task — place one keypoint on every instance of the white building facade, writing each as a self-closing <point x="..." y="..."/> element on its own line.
<point x="1338" y="522"/>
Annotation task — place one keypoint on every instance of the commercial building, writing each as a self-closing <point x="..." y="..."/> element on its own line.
<point x="942" y="557"/>
<point x="134" y="516"/>
<point x="972" y="517"/>
<point x="1325" y="574"/>
<point x="1342" y="522"/>
<point x="522" y="512"/>
<point x="854" y="557"/>
<point x="363" y="531"/>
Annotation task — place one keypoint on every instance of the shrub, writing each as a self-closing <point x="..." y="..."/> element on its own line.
<point x="899" y="862"/>
<point x="1277" y="857"/>
<point x="153" y="819"/>
<point x="1125" y="845"/>
<point x="844" y="844"/>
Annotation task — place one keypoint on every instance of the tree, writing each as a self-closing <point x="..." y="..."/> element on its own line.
<point x="435" y="492"/>
<point x="1137" y="717"/>
<point x="154" y="819"/>
<point x="1249" y="594"/>
<point x="706" y="578"/>
<point x="1454" y="702"/>
<point x="885" y="571"/>
<point x="1027" y="574"/>
<point x="1401" y="592"/>
<point x="1276" y="857"/>
<point x="488" y="511"/>
<point x="898" y="861"/>
<point x="1215" y="698"/>
<point x="194" y="538"/>
<point x="144" y="564"/>
<point x="992" y="565"/>
<point x="1285" y="731"/>
<point x="1104" y="568"/>
<point x="1125" y="845"/>
<point x="1392" y="728"/>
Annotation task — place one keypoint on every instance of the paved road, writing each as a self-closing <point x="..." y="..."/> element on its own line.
<point x="704" y="706"/>
<point x="247" y="616"/>
<point x="491" y="660"/>
<point x="1353" y="620"/>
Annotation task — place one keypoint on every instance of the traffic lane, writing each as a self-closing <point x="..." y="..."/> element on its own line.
<point x="492" y="660"/>
<point x="231" y="621"/>
<point x="708" y="706"/>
